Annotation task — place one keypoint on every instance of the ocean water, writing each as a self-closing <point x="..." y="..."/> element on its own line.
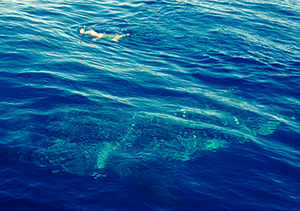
<point x="196" y="109"/>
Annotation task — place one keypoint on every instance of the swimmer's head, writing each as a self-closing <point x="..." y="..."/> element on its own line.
<point x="81" y="31"/>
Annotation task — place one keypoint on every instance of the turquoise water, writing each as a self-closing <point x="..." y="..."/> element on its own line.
<point x="196" y="109"/>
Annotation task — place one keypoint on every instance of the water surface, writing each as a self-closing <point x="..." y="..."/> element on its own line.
<point x="197" y="109"/>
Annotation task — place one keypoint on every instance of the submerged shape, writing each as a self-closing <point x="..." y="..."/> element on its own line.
<point x="140" y="146"/>
<point x="81" y="140"/>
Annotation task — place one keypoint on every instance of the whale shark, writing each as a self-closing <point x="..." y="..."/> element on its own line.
<point x="141" y="145"/>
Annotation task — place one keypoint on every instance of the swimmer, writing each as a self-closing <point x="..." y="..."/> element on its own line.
<point x="100" y="35"/>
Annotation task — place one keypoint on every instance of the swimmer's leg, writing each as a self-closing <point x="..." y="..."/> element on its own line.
<point x="117" y="37"/>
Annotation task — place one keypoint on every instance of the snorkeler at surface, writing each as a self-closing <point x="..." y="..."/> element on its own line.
<point x="100" y="35"/>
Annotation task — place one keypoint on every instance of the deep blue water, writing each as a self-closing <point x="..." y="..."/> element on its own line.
<point x="197" y="109"/>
